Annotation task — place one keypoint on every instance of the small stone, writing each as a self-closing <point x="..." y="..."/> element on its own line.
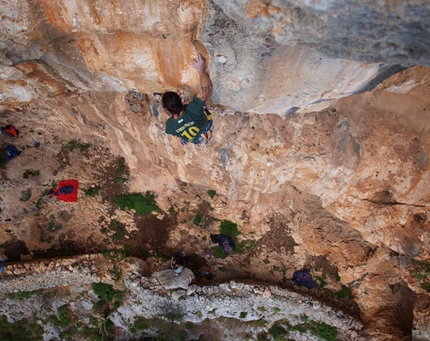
<point x="178" y="294"/>
<point x="267" y="293"/>
<point x="191" y="290"/>
<point x="26" y="257"/>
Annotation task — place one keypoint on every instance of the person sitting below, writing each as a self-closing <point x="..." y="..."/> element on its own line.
<point x="191" y="122"/>
<point x="177" y="263"/>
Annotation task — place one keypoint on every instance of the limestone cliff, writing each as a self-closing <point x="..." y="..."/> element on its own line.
<point x="320" y="148"/>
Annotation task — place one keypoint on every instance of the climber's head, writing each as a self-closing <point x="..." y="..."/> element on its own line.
<point x="172" y="103"/>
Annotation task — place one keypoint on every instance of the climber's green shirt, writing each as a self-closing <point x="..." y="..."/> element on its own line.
<point x="194" y="118"/>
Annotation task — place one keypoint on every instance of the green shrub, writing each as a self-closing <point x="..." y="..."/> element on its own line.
<point x="121" y="165"/>
<point x="106" y="292"/>
<point x="243" y="314"/>
<point x="212" y="193"/>
<point x="278" y="332"/>
<point x="426" y="286"/>
<point x="22" y="330"/>
<point x="259" y="323"/>
<point x="323" y="330"/>
<point x="120" y="180"/>
<point x="345" y="292"/>
<point x="244" y="246"/>
<point x="63" y="315"/>
<point x="198" y="219"/>
<point x="418" y="275"/>
<point x="117" y="236"/>
<point x="75" y="144"/>
<point x="139" y="324"/>
<point x="229" y="228"/>
<point x="141" y="204"/>
<point x="301" y="328"/>
<point x="51" y="225"/>
<point x="320" y="282"/>
<point x="92" y="191"/>
<point x="217" y="252"/>
<point x="24" y="294"/>
<point x="26" y="195"/>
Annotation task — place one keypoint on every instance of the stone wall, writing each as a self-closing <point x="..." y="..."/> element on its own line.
<point x="196" y="303"/>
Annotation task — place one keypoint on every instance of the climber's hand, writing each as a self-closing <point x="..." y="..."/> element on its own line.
<point x="198" y="62"/>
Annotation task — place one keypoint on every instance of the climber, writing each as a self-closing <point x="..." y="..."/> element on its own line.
<point x="193" y="121"/>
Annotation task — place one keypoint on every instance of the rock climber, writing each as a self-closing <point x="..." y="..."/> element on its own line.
<point x="192" y="122"/>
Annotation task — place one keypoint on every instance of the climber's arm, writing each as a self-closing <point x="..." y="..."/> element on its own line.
<point x="205" y="81"/>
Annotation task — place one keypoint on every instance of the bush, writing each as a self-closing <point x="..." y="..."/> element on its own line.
<point x="106" y="292"/>
<point x="198" y="219"/>
<point x="278" y="332"/>
<point x="121" y="165"/>
<point x="211" y="193"/>
<point x="26" y="195"/>
<point x="217" y="252"/>
<point x="92" y="191"/>
<point x="345" y="292"/>
<point x="63" y="315"/>
<point x="22" y="330"/>
<point x="323" y="330"/>
<point x="141" y="204"/>
<point x="76" y="144"/>
<point x="229" y="228"/>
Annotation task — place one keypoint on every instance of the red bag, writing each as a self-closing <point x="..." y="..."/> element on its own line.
<point x="65" y="192"/>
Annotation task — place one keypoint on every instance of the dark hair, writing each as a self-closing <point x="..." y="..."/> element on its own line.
<point x="172" y="102"/>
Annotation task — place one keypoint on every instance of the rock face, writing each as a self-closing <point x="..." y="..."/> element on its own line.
<point x="386" y="31"/>
<point x="337" y="166"/>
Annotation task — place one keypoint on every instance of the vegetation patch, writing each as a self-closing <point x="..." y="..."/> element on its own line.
<point x="323" y="330"/>
<point x="64" y="315"/>
<point x="345" y="292"/>
<point x="280" y="330"/>
<point x="140" y="323"/>
<point x="24" y="294"/>
<point x="107" y="293"/>
<point x="120" y="180"/>
<point x="212" y="193"/>
<point x="198" y="219"/>
<point x="230" y="229"/>
<point x="26" y="195"/>
<point x="76" y="144"/>
<point x="217" y="252"/>
<point x="421" y="272"/>
<point x="121" y="166"/>
<point x="92" y="191"/>
<point x="136" y="201"/>
<point x="320" y="282"/>
<point x="22" y="330"/>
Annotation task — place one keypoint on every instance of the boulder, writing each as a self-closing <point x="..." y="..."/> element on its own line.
<point x="169" y="280"/>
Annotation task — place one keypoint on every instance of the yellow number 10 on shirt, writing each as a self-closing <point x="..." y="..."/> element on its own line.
<point x="191" y="133"/>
